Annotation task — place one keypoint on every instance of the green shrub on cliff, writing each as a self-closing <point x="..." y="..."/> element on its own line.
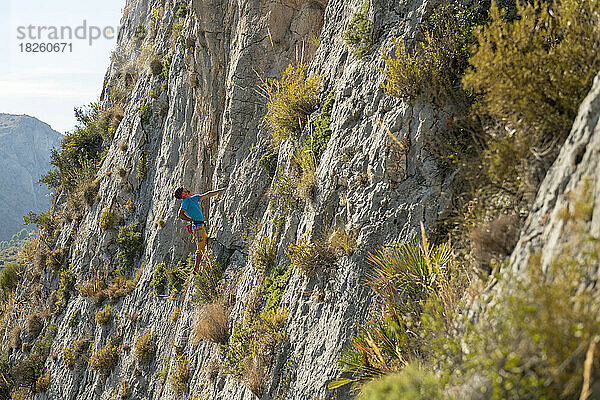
<point x="534" y="71"/>
<point x="105" y="359"/>
<point x="9" y="279"/>
<point x="130" y="242"/>
<point x="159" y="280"/>
<point x="358" y="33"/>
<point x="262" y="253"/>
<point x="531" y="73"/>
<point x="290" y="100"/>
<point x="145" y="347"/>
<point x="82" y="150"/>
<point x="433" y="65"/>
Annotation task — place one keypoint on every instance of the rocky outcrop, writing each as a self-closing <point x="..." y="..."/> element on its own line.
<point x="570" y="185"/>
<point x="25" y="144"/>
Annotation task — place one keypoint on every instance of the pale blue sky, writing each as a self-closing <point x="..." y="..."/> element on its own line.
<point x="48" y="85"/>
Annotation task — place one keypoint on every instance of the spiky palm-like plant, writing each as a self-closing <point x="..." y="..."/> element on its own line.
<point x="403" y="277"/>
<point x="407" y="272"/>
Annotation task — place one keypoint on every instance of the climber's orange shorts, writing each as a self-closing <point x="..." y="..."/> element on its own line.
<point x="201" y="238"/>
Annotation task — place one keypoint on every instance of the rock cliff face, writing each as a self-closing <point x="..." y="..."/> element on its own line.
<point x="207" y="130"/>
<point x="211" y="135"/>
<point x="25" y="144"/>
<point x="570" y="187"/>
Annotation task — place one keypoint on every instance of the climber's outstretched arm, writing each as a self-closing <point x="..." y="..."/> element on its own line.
<point x="212" y="193"/>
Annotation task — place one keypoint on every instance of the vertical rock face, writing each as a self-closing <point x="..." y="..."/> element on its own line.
<point x="25" y="144"/>
<point x="207" y="130"/>
<point x="571" y="187"/>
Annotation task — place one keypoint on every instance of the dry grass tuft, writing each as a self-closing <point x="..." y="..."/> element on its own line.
<point x="213" y="323"/>
<point x="311" y="257"/>
<point x="495" y="238"/>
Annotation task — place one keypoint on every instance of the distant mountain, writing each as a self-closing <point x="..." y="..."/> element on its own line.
<point x="25" y="144"/>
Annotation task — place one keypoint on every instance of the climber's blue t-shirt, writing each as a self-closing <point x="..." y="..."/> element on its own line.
<point x="192" y="207"/>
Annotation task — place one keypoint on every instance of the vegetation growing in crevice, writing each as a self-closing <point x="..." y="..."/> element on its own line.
<point x="358" y="33"/>
<point x="207" y="282"/>
<point x="164" y="75"/>
<point x="63" y="293"/>
<point x="145" y="347"/>
<point x="311" y="257"/>
<point x="109" y="219"/>
<point x="290" y="100"/>
<point x="262" y="253"/>
<point x="77" y="354"/>
<point x="156" y="66"/>
<point x="283" y="197"/>
<point x="129" y="243"/>
<point x="74" y="318"/>
<point x="180" y="375"/>
<point x="43" y="382"/>
<point x="159" y="280"/>
<point x="268" y="161"/>
<point x="308" y="156"/>
<point x="319" y="137"/>
<point x="274" y="285"/>
<point x="252" y="347"/>
<point x="178" y="32"/>
<point x="213" y="323"/>
<point x="105" y="359"/>
<point x="143" y="166"/>
<point x="103" y="316"/>
<point x="178" y="274"/>
<point x="433" y="66"/>
<point x="343" y="240"/>
<point x="100" y="287"/>
<point x="146" y="110"/>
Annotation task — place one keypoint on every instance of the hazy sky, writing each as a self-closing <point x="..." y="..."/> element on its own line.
<point x="48" y="85"/>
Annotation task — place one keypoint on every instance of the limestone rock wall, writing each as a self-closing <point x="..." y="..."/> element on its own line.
<point x="207" y="130"/>
<point x="572" y="179"/>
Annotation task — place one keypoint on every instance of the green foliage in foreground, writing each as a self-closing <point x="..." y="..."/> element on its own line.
<point x="410" y="383"/>
<point x="404" y="279"/>
<point x="534" y="71"/>
<point x="536" y="340"/>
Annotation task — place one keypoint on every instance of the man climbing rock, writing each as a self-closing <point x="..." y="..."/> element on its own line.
<point x="190" y="211"/>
